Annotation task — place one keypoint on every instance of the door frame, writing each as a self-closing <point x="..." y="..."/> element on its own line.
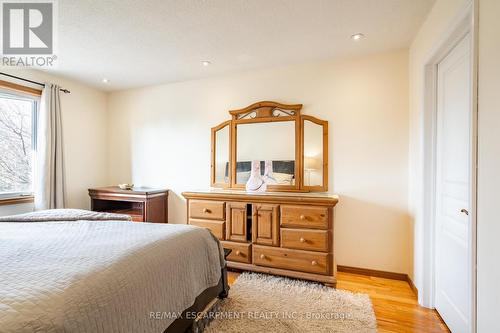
<point x="465" y="23"/>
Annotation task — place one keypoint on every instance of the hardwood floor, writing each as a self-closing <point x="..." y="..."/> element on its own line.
<point x="394" y="303"/>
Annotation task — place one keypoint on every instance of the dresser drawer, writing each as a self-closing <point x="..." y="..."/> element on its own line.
<point x="296" y="260"/>
<point x="216" y="227"/>
<point x="205" y="209"/>
<point x="312" y="240"/>
<point x="137" y="218"/>
<point x="242" y="252"/>
<point x="304" y="217"/>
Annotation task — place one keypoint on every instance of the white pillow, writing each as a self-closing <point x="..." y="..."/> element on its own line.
<point x="283" y="178"/>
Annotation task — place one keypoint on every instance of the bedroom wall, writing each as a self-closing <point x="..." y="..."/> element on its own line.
<point x="488" y="228"/>
<point x="439" y="21"/>
<point x="160" y="136"/>
<point x="84" y="134"/>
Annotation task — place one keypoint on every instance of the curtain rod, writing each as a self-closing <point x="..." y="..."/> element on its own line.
<point x="34" y="82"/>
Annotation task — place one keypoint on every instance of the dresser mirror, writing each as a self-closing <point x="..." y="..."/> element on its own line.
<point x="264" y="141"/>
<point x="315" y="141"/>
<point x="292" y="147"/>
<point x="221" y="145"/>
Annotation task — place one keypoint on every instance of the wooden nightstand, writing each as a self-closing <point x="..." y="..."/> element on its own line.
<point x="142" y="204"/>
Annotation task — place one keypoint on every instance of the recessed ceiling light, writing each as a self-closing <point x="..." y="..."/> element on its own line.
<point x="206" y="63"/>
<point x="105" y="80"/>
<point x="357" y="36"/>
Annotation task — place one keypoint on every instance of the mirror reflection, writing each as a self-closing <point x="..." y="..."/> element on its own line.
<point x="222" y="155"/>
<point x="313" y="154"/>
<point x="273" y="143"/>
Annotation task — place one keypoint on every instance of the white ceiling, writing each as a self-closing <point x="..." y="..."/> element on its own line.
<point x="136" y="43"/>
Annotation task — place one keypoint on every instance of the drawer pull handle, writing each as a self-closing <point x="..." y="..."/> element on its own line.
<point x="238" y="252"/>
<point x="262" y="256"/>
<point x="206" y="210"/>
<point x="302" y="217"/>
<point x="302" y="240"/>
<point x="314" y="263"/>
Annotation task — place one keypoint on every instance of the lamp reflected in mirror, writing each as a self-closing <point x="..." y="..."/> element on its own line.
<point x="311" y="164"/>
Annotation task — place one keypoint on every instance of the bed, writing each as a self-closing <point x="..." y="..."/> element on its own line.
<point x="79" y="271"/>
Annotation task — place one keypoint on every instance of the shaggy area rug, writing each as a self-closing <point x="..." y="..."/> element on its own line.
<point x="265" y="303"/>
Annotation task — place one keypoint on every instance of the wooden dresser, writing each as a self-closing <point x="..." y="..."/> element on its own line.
<point x="142" y="204"/>
<point x="280" y="233"/>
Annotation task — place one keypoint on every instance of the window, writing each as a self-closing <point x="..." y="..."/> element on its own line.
<point x="17" y="143"/>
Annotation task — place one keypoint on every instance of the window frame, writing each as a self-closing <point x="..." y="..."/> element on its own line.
<point x="31" y="94"/>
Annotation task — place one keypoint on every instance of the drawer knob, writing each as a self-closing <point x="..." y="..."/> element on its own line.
<point x="206" y="210"/>
<point x="302" y="240"/>
<point x="262" y="256"/>
<point x="238" y="252"/>
<point x="314" y="263"/>
<point x="302" y="217"/>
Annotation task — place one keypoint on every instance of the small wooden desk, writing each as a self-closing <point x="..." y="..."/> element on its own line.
<point x="142" y="204"/>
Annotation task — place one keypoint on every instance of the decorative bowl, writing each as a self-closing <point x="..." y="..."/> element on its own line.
<point x="126" y="186"/>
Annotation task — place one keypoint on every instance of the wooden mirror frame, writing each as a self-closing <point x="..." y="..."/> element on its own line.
<point x="262" y="112"/>
<point x="324" y="125"/>
<point x="213" y="176"/>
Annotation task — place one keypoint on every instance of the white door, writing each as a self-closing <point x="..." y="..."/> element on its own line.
<point x="453" y="298"/>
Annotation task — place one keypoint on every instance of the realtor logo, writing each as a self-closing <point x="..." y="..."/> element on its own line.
<point x="28" y="27"/>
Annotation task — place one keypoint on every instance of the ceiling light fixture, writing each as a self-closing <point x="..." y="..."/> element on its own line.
<point x="357" y="36"/>
<point x="206" y="63"/>
<point x="105" y="80"/>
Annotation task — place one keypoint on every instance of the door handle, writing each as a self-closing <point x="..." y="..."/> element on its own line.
<point x="465" y="211"/>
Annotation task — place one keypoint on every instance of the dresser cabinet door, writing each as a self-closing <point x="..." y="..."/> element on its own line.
<point x="265" y="224"/>
<point x="236" y="221"/>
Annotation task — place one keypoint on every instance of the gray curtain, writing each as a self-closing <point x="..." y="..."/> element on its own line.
<point x="50" y="189"/>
